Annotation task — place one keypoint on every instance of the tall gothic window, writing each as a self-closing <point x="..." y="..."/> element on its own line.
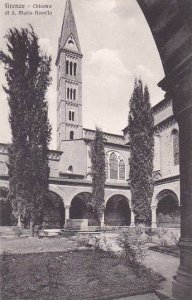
<point x="106" y="168"/>
<point x="121" y="169"/>
<point x="175" y="136"/>
<point x="113" y="166"/>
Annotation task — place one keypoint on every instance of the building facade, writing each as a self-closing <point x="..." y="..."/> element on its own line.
<point x="70" y="181"/>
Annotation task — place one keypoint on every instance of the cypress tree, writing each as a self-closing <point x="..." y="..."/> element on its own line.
<point x="140" y="128"/>
<point x="27" y="73"/>
<point x="97" y="155"/>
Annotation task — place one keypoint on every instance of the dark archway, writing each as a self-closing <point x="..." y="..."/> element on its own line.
<point x="54" y="211"/>
<point x="80" y="208"/>
<point x="5" y="208"/>
<point x="117" y="212"/>
<point x="168" y="210"/>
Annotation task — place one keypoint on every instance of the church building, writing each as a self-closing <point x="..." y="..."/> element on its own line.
<point x="70" y="183"/>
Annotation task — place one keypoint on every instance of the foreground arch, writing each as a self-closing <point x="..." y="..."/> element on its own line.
<point x="171" y="25"/>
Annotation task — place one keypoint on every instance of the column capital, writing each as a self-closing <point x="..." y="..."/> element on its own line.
<point x="67" y="206"/>
<point x="154" y="207"/>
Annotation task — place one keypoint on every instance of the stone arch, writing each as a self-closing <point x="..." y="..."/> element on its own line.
<point x="53" y="211"/>
<point x="59" y="192"/>
<point x="108" y="195"/>
<point x="77" y="191"/>
<point x="167" y="29"/>
<point x="168" y="211"/>
<point x="161" y="191"/>
<point x="117" y="211"/>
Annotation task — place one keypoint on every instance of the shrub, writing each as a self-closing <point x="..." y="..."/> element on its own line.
<point x="83" y="240"/>
<point x="132" y="245"/>
<point x="53" y="273"/>
<point x="174" y="237"/>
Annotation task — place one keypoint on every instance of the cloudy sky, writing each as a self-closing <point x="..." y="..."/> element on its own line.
<point x="117" y="46"/>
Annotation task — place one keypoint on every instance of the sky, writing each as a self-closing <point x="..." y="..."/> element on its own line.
<point x="117" y="46"/>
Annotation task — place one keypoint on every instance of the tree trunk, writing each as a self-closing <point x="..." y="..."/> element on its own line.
<point x="31" y="228"/>
<point x="19" y="226"/>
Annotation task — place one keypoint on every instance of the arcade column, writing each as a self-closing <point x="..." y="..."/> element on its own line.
<point x="67" y="210"/>
<point x="180" y="89"/>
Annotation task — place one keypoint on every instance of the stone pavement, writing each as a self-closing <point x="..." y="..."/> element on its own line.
<point x="164" y="264"/>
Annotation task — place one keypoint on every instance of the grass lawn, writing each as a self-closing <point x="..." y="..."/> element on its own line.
<point x="81" y="275"/>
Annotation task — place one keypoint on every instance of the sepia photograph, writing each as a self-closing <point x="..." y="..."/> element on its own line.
<point x="95" y="149"/>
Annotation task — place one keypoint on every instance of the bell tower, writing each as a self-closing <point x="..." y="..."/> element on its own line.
<point x="69" y="81"/>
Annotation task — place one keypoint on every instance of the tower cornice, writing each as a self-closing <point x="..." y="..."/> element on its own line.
<point x="71" y="53"/>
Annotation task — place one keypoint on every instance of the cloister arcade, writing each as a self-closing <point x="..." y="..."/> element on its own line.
<point x="73" y="203"/>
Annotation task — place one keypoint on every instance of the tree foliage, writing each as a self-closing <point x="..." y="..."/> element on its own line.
<point x="97" y="155"/>
<point x="27" y="74"/>
<point x="140" y="128"/>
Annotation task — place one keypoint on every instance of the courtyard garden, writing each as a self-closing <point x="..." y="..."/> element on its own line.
<point x="80" y="266"/>
<point x="71" y="275"/>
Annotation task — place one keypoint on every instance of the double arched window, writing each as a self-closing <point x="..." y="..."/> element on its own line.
<point x="71" y="115"/>
<point x="115" y="167"/>
<point x="175" y="141"/>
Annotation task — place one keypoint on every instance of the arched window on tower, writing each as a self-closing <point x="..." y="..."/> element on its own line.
<point x="71" y="94"/>
<point x="67" y="93"/>
<point x="67" y="67"/>
<point x="175" y="140"/>
<point x="70" y="169"/>
<point x="71" y="68"/>
<point x="75" y="69"/>
<point x="74" y="94"/>
<point x="121" y="169"/>
<point x="71" y="135"/>
<point x="113" y="166"/>
<point x="106" y="168"/>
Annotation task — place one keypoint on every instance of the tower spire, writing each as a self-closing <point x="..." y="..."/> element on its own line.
<point x="69" y="28"/>
<point x="69" y="81"/>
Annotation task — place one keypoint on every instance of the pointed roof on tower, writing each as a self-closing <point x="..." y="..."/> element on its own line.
<point x="69" y="28"/>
